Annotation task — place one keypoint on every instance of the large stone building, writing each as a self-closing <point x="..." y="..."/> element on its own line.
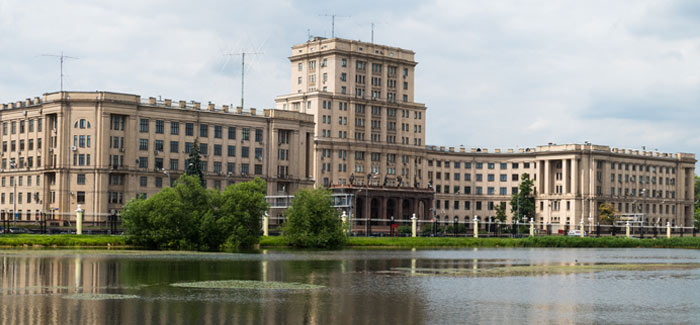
<point x="99" y="149"/>
<point x="570" y="182"/>
<point x="350" y="123"/>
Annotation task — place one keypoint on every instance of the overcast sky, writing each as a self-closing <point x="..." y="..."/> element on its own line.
<point x="494" y="74"/>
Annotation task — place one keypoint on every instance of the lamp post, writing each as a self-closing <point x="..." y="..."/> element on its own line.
<point x="454" y="226"/>
<point x="391" y="226"/>
<point x="170" y="181"/>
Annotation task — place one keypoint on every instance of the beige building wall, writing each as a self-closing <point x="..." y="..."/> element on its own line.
<point x="570" y="181"/>
<point x="99" y="150"/>
<point x="361" y="96"/>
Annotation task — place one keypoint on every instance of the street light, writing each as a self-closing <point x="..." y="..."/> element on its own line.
<point x="170" y="181"/>
<point x="391" y="226"/>
<point x="454" y="227"/>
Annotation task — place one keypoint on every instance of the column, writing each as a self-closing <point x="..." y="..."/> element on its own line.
<point x="565" y="175"/>
<point x="546" y="178"/>
<point x="574" y="176"/>
<point x="399" y="209"/>
<point x="382" y="208"/>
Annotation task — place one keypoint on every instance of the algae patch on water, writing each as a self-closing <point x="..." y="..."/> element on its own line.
<point x="539" y="270"/>
<point x="247" y="284"/>
<point x="99" y="296"/>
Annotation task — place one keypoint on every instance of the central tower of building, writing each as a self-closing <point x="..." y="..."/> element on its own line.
<point x="370" y="134"/>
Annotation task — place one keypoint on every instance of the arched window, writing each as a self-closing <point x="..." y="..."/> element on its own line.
<point x="75" y="126"/>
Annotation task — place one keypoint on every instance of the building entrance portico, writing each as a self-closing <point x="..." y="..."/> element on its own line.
<point x="385" y="203"/>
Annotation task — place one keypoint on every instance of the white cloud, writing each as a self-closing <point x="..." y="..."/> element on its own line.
<point x="492" y="73"/>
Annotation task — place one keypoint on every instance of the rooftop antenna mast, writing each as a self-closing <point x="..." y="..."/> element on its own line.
<point x="333" y="22"/>
<point x="61" y="59"/>
<point x="242" y="54"/>
<point x="372" y="39"/>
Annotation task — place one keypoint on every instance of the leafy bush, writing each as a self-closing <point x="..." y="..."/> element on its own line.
<point x="313" y="222"/>
<point x="189" y="217"/>
<point x="404" y="230"/>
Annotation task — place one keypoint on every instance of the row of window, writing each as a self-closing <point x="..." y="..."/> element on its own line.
<point x="477" y="177"/>
<point x="478" y="190"/>
<point x="640" y="167"/>
<point x="643" y="193"/>
<point x="144" y="127"/>
<point x="21" y="163"/>
<point x="643" y="179"/>
<point x="24" y="125"/>
<point x="13" y="145"/>
<point x="21" y="180"/>
<point x="477" y="165"/>
<point x="31" y="197"/>
<point x="158" y="145"/>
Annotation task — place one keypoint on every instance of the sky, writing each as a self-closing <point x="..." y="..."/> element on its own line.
<point x="493" y="74"/>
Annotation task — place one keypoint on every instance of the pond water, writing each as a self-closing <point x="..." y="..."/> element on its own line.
<point x="351" y="286"/>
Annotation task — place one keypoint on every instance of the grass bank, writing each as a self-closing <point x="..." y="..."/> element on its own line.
<point x="545" y="241"/>
<point x="7" y="240"/>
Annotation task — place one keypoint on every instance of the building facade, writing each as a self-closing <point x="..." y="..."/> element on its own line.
<point x="370" y="138"/>
<point x="100" y="149"/>
<point x="570" y="183"/>
<point x="349" y="123"/>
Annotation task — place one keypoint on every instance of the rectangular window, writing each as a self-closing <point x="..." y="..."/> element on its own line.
<point x="188" y="147"/>
<point x="231" y="151"/>
<point x="217" y="150"/>
<point x="204" y="130"/>
<point x="245" y="152"/>
<point x="143" y="181"/>
<point x="143" y="125"/>
<point x="175" y="128"/>
<point x="174" y="164"/>
<point x="258" y="135"/>
<point x="160" y="126"/>
<point x="204" y="149"/>
<point x="143" y="144"/>
<point x="217" y="131"/>
<point x="245" y="134"/>
<point x="158" y="145"/>
<point x="80" y="197"/>
<point x="174" y="146"/>
<point x="81" y="179"/>
<point x="232" y="133"/>
<point x="189" y="129"/>
<point x="143" y="162"/>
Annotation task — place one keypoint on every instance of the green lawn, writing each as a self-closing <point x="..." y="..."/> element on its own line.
<point x="544" y="241"/>
<point x="61" y="240"/>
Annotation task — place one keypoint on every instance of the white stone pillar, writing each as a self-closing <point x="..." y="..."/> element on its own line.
<point x="668" y="230"/>
<point x="532" y="227"/>
<point x="266" y="224"/>
<point x="627" y="229"/>
<point x="414" y="222"/>
<point x="476" y="227"/>
<point x="546" y="178"/>
<point x="565" y="175"/>
<point x="583" y="229"/>
<point x="78" y="220"/>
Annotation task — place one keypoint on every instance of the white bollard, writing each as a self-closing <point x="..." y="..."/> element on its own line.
<point x="414" y="222"/>
<point x="79" y="220"/>
<point x="627" y="229"/>
<point x="668" y="230"/>
<point x="344" y="219"/>
<point x="532" y="227"/>
<point x="583" y="229"/>
<point x="476" y="227"/>
<point x="266" y="224"/>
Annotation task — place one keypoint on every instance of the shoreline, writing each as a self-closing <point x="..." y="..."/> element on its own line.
<point x="119" y="241"/>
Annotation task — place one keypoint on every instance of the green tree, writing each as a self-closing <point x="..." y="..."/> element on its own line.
<point x="168" y="219"/>
<point x="501" y="212"/>
<point x="607" y="214"/>
<point x="243" y="206"/>
<point x="312" y="221"/>
<point x="194" y="163"/>
<point x="187" y="216"/>
<point x="522" y="204"/>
